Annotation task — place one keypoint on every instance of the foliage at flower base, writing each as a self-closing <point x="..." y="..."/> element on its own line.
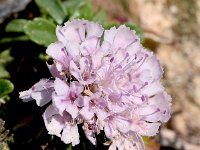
<point x="102" y="80"/>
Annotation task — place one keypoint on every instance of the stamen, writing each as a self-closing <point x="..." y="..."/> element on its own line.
<point x="144" y="58"/>
<point x="157" y="110"/>
<point x="65" y="52"/>
<point x="145" y="84"/>
<point x="77" y="29"/>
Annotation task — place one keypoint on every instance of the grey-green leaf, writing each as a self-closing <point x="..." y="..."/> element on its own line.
<point x="6" y="87"/>
<point x="69" y="147"/>
<point x="83" y="10"/>
<point x="5" y="58"/>
<point x="3" y="72"/>
<point x="71" y="6"/>
<point x="41" y="31"/>
<point x="53" y="8"/>
<point x="14" y="39"/>
<point x="101" y="18"/>
<point x="16" y="25"/>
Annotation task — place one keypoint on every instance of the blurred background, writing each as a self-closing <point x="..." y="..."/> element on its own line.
<point x="170" y="28"/>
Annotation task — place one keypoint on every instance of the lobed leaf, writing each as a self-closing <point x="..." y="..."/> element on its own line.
<point x="3" y="72"/>
<point x="6" y="87"/>
<point x="53" y="8"/>
<point x="72" y="6"/>
<point x="41" y="31"/>
<point x="101" y="18"/>
<point x="5" y="58"/>
<point x="14" y="39"/>
<point x="16" y="25"/>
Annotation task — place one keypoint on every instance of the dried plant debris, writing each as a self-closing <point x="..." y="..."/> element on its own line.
<point x="4" y="136"/>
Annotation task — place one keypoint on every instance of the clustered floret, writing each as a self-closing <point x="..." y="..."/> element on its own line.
<point x="103" y="80"/>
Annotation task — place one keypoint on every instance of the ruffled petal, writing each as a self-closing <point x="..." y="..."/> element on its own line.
<point x="41" y="92"/>
<point x="123" y="124"/>
<point x="148" y="129"/>
<point x="60" y="103"/>
<point x="57" y="51"/>
<point x="55" y="72"/>
<point x="90" y="46"/>
<point x="87" y="113"/>
<point x="41" y="98"/>
<point x="61" y="88"/>
<point x="53" y="122"/>
<point x="162" y="102"/>
<point x="154" y="66"/>
<point x="73" y="49"/>
<point x="72" y="31"/>
<point x="72" y="109"/>
<point x="152" y="89"/>
<point x="76" y="87"/>
<point x="109" y="130"/>
<point x="26" y="95"/>
<point x="94" y="30"/>
<point x="110" y="34"/>
<point x="70" y="135"/>
<point x="123" y="38"/>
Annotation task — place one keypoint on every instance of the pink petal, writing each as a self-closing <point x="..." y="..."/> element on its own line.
<point x="26" y="95"/>
<point x="74" y="70"/>
<point x="101" y="114"/>
<point x="73" y="31"/>
<point x="94" y="30"/>
<point x="79" y="102"/>
<point x="60" y="102"/>
<point x="162" y="101"/>
<point x="83" y="73"/>
<point x="134" y="48"/>
<point x="53" y="122"/>
<point x="57" y="51"/>
<point x="70" y="135"/>
<point x="89" y="133"/>
<point x="41" y="98"/>
<point x="54" y="71"/>
<point x="149" y="129"/>
<point x="90" y="46"/>
<point x="110" y="34"/>
<point x="87" y="113"/>
<point x="92" y="139"/>
<point x="123" y="38"/>
<point x="59" y="34"/>
<point x="61" y="87"/>
<point x="109" y="130"/>
<point x="154" y="66"/>
<point x="41" y="92"/>
<point x="76" y="87"/>
<point x="112" y="146"/>
<point x="72" y="109"/>
<point x="73" y="50"/>
<point x="123" y="124"/>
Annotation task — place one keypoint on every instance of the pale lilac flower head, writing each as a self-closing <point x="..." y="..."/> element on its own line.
<point x="104" y="80"/>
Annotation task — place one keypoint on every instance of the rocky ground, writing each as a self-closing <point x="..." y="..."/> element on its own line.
<point x="8" y="7"/>
<point x="172" y="31"/>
